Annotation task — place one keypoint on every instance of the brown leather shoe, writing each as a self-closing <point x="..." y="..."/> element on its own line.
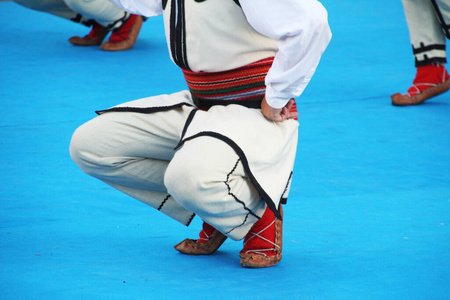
<point x="404" y="100"/>
<point x="260" y="258"/>
<point x="124" y="38"/>
<point x="193" y="247"/>
<point x="94" y="38"/>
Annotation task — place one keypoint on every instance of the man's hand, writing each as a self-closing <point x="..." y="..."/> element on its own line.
<point x="278" y="115"/>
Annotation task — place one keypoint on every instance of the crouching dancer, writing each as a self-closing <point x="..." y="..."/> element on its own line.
<point x="225" y="149"/>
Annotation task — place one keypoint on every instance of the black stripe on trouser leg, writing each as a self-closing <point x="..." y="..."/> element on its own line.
<point x="445" y="26"/>
<point x="164" y="202"/>
<point x="421" y="57"/>
<point x="250" y="212"/>
<point x="246" y="166"/>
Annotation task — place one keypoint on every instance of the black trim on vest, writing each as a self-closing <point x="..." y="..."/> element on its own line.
<point x="178" y="34"/>
<point x="445" y="27"/>
<point x="173" y="11"/>
<point x="245" y="164"/>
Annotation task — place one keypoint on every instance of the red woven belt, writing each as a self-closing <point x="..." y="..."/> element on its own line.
<point x="243" y="85"/>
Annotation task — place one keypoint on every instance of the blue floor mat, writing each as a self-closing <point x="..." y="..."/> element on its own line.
<point x="368" y="215"/>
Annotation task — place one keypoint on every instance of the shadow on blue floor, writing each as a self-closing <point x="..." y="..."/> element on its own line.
<point x="369" y="211"/>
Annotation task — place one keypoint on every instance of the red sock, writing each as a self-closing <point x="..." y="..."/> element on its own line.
<point x="96" y="28"/>
<point x="120" y="34"/>
<point x="261" y="238"/>
<point x="206" y="232"/>
<point x="426" y="77"/>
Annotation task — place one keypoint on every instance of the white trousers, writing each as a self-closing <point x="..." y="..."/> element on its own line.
<point x="427" y="23"/>
<point x="102" y="11"/>
<point x="135" y="153"/>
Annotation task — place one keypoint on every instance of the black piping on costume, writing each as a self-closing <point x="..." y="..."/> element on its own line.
<point x="186" y="125"/>
<point x="163" y="202"/>
<point x="190" y="220"/>
<point x="245" y="221"/>
<point x="444" y="25"/>
<point x="173" y="12"/>
<point x="428" y="60"/>
<point x="424" y="48"/>
<point x="233" y="195"/>
<point x="178" y="34"/>
<point x="237" y="199"/>
<point x="284" y="199"/>
<point x="122" y="20"/>
<point x="144" y="110"/>
<point x="245" y="164"/>
<point x="77" y="18"/>
<point x="206" y="104"/>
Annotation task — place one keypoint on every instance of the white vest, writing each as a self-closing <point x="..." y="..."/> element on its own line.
<point x="212" y="35"/>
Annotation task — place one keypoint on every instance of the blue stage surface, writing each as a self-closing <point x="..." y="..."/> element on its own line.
<point x="368" y="215"/>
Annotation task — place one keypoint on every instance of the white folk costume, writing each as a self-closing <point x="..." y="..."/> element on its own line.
<point x="429" y="25"/>
<point x="81" y="11"/>
<point x="103" y="16"/>
<point x="209" y="151"/>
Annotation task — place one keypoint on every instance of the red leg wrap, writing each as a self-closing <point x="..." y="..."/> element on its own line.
<point x="263" y="244"/>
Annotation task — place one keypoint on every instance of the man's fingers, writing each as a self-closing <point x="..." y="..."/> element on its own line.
<point x="278" y="115"/>
<point x="287" y="114"/>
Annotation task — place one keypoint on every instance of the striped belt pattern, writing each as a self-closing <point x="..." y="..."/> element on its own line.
<point x="244" y="85"/>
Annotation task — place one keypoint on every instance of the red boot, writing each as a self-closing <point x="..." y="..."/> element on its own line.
<point x="210" y="239"/>
<point x="263" y="244"/>
<point x="430" y="81"/>
<point x="94" y="38"/>
<point x="125" y="36"/>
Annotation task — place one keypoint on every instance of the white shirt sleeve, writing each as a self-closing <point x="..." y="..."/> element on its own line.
<point x="147" y="8"/>
<point x="302" y="32"/>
